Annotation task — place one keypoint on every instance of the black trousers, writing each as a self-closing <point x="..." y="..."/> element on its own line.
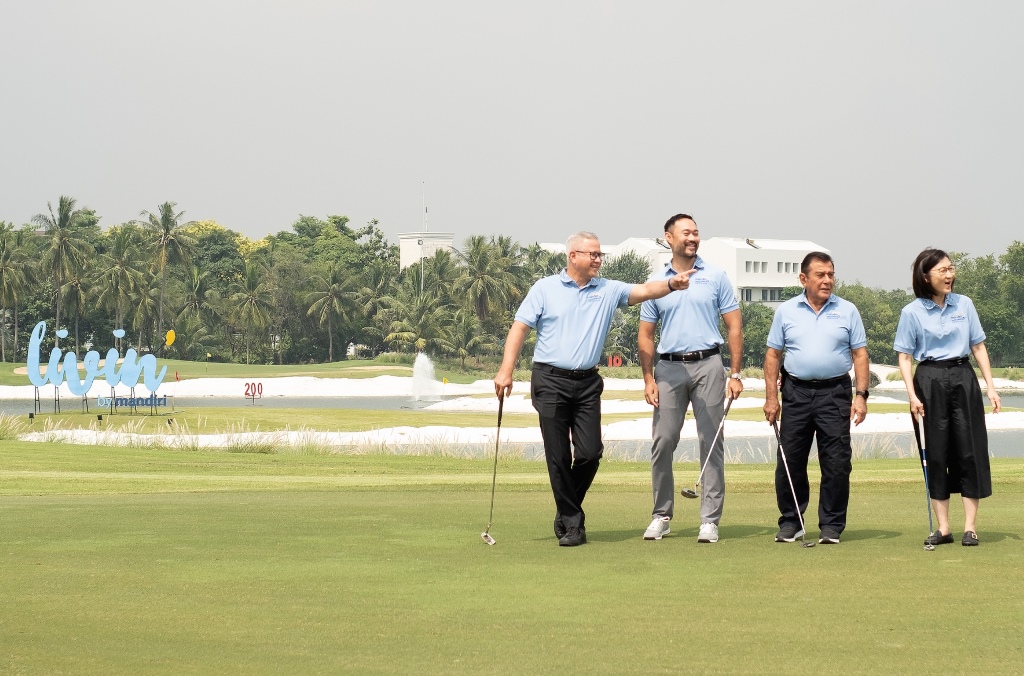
<point x="810" y="411"/>
<point x="570" y="423"/>
<point x="956" y="440"/>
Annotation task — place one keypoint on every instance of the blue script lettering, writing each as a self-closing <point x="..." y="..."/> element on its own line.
<point x="128" y="375"/>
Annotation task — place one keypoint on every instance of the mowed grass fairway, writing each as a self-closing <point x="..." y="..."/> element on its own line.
<point x="118" y="560"/>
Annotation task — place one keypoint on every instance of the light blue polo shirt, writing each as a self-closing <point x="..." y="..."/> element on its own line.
<point x="689" y="318"/>
<point x="928" y="331"/>
<point x="818" y="344"/>
<point x="571" y="321"/>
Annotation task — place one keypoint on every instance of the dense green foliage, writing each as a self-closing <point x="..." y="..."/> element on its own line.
<point x="310" y="293"/>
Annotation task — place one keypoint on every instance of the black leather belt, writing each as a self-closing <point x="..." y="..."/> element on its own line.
<point x="575" y="374"/>
<point x="827" y="382"/>
<point x="946" y="363"/>
<point x="691" y="356"/>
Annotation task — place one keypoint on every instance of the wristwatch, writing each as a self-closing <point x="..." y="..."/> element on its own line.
<point x="735" y="376"/>
<point x="863" y="393"/>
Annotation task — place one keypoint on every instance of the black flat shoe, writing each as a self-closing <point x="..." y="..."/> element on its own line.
<point x="937" y="538"/>
<point x="970" y="539"/>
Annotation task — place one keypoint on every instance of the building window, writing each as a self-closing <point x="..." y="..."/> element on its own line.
<point x="780" y="266"/>
<point x="764" y="294"/>
<point x="747" y="296"/>
<point x="748" y="266"/>
<point x="787" y="267"/>
<point x="764" y="266"/>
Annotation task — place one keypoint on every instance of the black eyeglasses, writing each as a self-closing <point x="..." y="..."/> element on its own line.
<point x="594" y="255"/>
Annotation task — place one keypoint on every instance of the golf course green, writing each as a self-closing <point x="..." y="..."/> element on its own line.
<point x="144" y="560"/>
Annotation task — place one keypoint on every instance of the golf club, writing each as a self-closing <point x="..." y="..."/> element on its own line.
<point x="919" y="437"/>
<point x="796" y="503"/>
<point x="692" y="492"/>
<point x="486" y="535"/>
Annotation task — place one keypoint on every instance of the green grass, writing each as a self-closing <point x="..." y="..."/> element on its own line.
<point x="140" y="561"/>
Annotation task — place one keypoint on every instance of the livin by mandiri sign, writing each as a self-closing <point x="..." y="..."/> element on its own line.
<point x="131" y="368"/>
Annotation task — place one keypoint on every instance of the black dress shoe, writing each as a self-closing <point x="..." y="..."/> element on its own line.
<point x="559" y="527"/>
<point x="970" y="539"/>
<point x="937" y="538"/>
<point x="574" y="537"/>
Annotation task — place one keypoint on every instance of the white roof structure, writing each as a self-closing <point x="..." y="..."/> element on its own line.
<point x="758" y="268"/>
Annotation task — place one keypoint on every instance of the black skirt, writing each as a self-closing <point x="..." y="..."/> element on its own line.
<point x="956" y="441"/>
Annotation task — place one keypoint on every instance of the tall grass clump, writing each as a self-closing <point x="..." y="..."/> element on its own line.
<point x="11" y="427"/>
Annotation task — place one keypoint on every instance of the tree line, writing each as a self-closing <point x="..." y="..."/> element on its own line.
<point x="306" y="294"/>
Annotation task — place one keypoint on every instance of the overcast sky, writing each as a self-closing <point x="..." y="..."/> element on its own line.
<point x="871" y="128"/>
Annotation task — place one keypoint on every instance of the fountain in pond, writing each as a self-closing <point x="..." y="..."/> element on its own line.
<point x="424" y="386"/>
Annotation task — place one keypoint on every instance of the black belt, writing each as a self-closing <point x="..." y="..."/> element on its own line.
<point x="827" y="382"/>
<point x="575" y="374"/>
<point x="946" y="363"/>
<point x="691" y="356"/>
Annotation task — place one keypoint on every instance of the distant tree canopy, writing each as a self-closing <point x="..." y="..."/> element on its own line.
<point x="308" y="293"/>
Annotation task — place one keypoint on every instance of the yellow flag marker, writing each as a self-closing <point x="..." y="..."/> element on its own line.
<point x="169" y="338"/>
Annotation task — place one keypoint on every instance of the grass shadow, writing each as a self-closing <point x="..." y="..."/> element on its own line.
<point x="868" y="534"/>
<point x="998" y="537"/>
<point x="745" y="531"/>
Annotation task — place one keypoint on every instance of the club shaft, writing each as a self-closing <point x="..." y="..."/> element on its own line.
<point x="789" y="477"/>
<point x="922" y="446"/>
<point x="494" y="476"/>
<point x="711" y="448"/>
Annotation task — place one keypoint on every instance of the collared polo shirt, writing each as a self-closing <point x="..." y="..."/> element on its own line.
<point x="689" y="318"/>
<point x="817" y="344"/>
<point x="571" y="321"/>
<point x="928" y="331"/>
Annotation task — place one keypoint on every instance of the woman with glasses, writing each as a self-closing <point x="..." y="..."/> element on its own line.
<point x="941" y="329"/>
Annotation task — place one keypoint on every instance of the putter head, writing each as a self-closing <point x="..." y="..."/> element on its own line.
<point x="929" y="547"/>
<point x="487" y="538"/>
<point x="808" y="543"/>
<point x="689" y="493"/>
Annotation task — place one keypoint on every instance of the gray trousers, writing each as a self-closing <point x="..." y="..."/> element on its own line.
<point x="701" y="383"/>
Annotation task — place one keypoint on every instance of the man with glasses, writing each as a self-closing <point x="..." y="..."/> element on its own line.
<point x="689" y="370"/>
<point x="572" y="312"/>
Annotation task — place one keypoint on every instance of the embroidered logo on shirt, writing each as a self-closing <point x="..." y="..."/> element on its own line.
<point x="833" y="315"/>
<point x="957" y="318"/>
<point x="699" y="280"/>
<point x="594" y="297"/>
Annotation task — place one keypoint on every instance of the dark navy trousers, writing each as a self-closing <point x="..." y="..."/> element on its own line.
<point x="570" y="423"/>
<point x="812" y="411"/>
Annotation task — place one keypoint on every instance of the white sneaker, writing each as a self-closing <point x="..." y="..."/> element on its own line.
<point x="658" y="529"/>
<point x="708" y="533"/>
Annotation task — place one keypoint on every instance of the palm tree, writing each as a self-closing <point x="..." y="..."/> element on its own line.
<point x="66" y="253"/>
<point x="75" y="294"/>
<point x="200" y="298"/>
<point x="118" y="276"/>
<point x="421" y="323"/>
<point x="440" y="272"/>
<point x="13" y="283"/>
<point x="170" y="245"/>
<point x="485" y="282"/>
<point x="467" y="338"/>
<point x="373" y="300"/>
<point x="333" y="298"/>
<point x="252" y="300"/>
<point x="24" y="247"/>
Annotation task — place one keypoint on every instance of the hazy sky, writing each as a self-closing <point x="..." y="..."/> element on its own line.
<point x="871" y="128"/>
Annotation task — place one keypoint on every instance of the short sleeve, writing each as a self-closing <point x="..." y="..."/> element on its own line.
<point x="726" y="297"/>
<point x="858" y="337"/>
<point x="532" y="306"/>
<point x="977" y="335"/>
<point x="649" y="312"/>
<point x="906" y="334"/>
<point x="623" y="293"/>
<point x="776" y="334"/>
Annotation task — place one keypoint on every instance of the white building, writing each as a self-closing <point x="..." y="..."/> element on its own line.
<point x="412" y="246"/>
<point x="758" y="268"/>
